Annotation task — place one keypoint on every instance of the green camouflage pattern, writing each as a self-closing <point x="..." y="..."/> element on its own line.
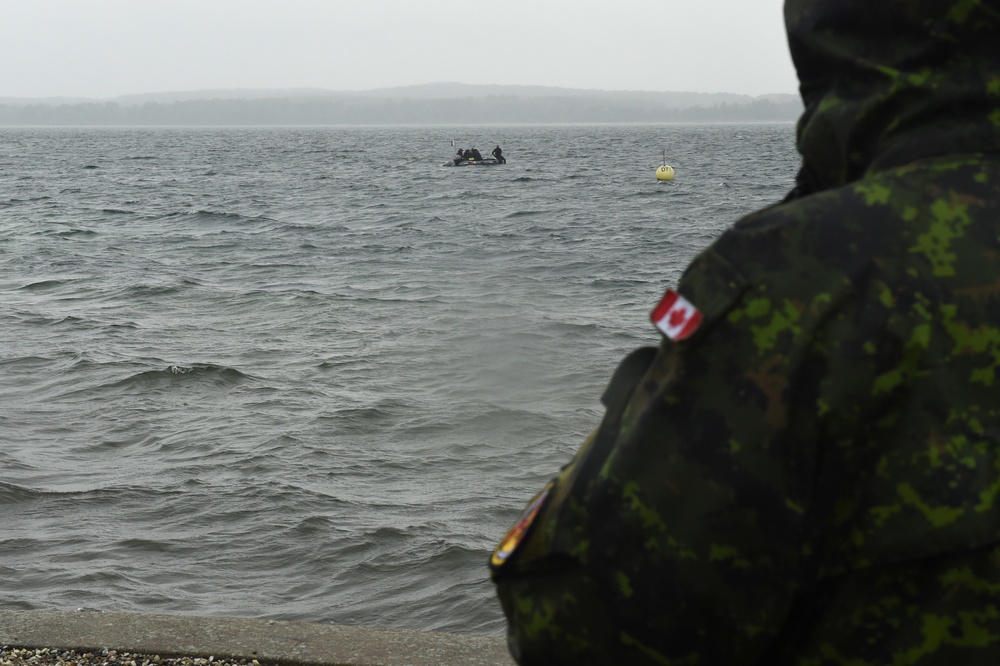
<point x="812" y="478"/>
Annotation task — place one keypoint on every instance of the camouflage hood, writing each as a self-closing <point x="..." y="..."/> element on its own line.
<point x="888" y="81"/>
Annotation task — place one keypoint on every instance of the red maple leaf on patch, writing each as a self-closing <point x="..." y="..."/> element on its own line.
<point x="675" y="316"/>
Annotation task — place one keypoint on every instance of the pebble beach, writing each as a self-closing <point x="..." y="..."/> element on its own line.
<point x="70" y="638"/>
<point x="17" y="656"/>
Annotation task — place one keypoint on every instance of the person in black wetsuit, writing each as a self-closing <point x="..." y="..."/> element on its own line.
<point x="497" y="153"/>
<point x="476" y="155"/>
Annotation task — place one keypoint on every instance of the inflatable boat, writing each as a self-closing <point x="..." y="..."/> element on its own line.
<point x="486" y="161"/>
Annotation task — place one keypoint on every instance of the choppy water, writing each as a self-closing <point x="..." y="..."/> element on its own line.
<point x="309" y="373"/>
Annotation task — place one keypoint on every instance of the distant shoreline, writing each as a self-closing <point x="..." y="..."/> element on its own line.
<point x="403" y="125"/>
<point x="450" y="104"/>
<point x="676" y="99"/>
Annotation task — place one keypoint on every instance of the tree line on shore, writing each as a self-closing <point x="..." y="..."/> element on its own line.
<point x="498" y="109"/>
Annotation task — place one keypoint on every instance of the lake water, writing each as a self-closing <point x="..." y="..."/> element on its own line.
<point x="310" y="374"/>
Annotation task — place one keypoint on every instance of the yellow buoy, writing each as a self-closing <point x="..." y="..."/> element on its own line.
<point x="665" y="172"/>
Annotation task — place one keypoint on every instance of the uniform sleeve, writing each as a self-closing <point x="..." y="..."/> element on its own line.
<point x="675" y="534"/>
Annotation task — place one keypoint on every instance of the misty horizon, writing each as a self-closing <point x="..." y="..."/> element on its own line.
<point x="431" y="90"/>
<point x="417" y="105"/>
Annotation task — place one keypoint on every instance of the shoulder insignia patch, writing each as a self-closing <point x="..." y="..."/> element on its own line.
<point x="516" y="535"/>
<point x="675" y="316"/>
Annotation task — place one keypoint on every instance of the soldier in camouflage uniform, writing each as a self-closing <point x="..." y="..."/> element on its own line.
<point x="807" y="470"/>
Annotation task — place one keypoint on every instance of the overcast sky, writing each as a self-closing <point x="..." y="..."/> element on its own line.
<point x="104" y="48"/>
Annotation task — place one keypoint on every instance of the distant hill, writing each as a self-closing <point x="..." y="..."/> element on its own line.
<point x="435" y="103"/>
<point x="670" y="100"/>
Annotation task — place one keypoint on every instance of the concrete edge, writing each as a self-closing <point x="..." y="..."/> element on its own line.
<point x="268" y="641"/>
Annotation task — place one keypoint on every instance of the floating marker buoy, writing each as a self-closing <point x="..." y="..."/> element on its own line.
<point x="665" y="172"/>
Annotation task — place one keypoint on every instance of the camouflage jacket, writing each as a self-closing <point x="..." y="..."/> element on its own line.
<point x="812" y="477"/>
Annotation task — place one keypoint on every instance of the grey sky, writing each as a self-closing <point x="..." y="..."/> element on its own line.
<point x="103" y="48"/>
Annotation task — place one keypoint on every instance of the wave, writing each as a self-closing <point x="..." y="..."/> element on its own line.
<point x="13" y="494"/>
<point x="122" y="327"/>
<point x="218" y="374"/>
<point x="571" y="329"/>
<point x="173" y="376"/>
<point x="528" y="213"/>
<point x="612" y="283"/>
<point x="215" y="215"/>
<point x="659" y="191"/>
<point x="137" y="442"/>
<point x="75" y="233"/>
<point x="410" y="225"/>
<point x="71" y="321"/>
<point x="211" y="216"/>
<point x="149" y="290"/>
<point x="25" y="363"/>
<point x="44" y="284"/>
<point x="361" y="420"/>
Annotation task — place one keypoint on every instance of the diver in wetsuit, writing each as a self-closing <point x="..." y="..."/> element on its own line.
<point x="476" y="155"/>
<point x="497" y="153"/>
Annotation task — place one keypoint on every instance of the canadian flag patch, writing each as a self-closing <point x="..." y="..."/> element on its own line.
<point x="676" y="316"/>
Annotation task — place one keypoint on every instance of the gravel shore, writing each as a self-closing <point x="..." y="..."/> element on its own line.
<point x="68" y="638"/>
<point x="14" y="656"/>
